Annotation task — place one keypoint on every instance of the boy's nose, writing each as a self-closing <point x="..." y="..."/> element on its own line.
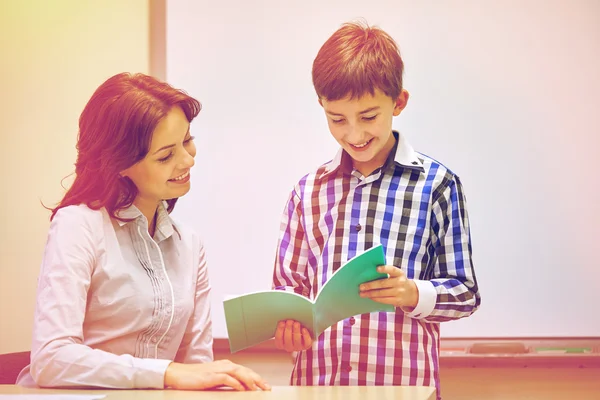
<point x="355" y="135"/>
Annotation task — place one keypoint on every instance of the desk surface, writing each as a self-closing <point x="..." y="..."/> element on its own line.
<point x="278" y="392"/>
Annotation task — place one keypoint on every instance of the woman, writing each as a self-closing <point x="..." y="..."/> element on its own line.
<point x="122" y="298"/>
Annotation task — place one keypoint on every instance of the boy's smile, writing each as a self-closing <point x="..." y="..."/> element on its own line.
<point x="362" y="146"/>
<point x="363" y="126"/>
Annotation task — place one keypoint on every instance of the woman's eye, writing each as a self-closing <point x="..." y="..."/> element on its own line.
<point x="186" y="141"/>
<point x="165" y="159"/>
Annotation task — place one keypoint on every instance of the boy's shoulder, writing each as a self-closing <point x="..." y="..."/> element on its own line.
<point x="427" y="166"/>
<point x="428" y="171"/>
<point x="435" y="176"/>
<point x="316" y="177"/>
<point x="433" y="166"/>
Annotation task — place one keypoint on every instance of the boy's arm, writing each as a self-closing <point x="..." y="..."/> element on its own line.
<point x="451" y="292"/>
<point x="291" y="259"/>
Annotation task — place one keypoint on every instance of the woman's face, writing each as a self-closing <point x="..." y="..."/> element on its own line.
<point x="165" y="171"/>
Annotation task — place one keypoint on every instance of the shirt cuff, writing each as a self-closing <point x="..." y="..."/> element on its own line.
<point x="150" y="373"/>
<point x="427" y="299"/>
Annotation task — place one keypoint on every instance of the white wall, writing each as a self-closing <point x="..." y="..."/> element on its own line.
<point x="53" y="56"/>
<point x="504" y="93"/>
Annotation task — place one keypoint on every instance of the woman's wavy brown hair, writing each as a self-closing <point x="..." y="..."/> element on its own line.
<point x="115" y="131"/>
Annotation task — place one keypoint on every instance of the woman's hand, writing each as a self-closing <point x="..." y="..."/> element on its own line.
<point x="213" y="375"/>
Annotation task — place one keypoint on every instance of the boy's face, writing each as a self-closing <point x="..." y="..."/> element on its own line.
<point x="363" y="126"/>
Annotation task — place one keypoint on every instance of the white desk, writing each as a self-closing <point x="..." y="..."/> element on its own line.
<point x="278" y="392"/>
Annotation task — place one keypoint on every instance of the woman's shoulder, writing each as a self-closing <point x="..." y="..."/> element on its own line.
<point x="80" y="213"/>
<point x="187" y="234"/>
<point x="184" y="230"/>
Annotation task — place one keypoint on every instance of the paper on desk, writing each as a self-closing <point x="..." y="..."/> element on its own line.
<point x="51" y="396"/>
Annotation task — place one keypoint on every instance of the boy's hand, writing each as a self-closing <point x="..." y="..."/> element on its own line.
<point x="291" y="336"/>
<point x="396" y="290"/>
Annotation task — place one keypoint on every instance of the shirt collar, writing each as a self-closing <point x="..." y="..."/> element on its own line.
<point x="165" y="226"/>
<point x="403" y="154"/>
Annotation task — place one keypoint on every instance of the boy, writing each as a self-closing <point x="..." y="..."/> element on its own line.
<point x="377" y="189"/>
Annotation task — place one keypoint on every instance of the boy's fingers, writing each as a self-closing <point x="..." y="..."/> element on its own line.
<point x="296" y="336"/>
<point x="396" y="278"/>
<point x="292" y="336"/>
<point x="288" y="343"/>
<point x="392" y="271"/>
<point x="279" y="335"/>
<point x="387" y="292"/>
<point x="386" y="300"/>
<point x="374" y="285"/>
<point x="306" y="339"/>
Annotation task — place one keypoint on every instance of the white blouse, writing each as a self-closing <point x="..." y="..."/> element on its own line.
<point x="115" y="306"/>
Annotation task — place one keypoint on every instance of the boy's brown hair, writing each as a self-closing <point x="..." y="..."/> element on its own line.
<point x="358" y="59"/>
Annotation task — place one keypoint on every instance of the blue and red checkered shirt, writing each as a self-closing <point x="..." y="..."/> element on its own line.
<point x="414" y="207"/>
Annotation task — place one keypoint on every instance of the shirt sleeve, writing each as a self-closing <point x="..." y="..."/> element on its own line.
<point x="452" y="293"/>
<point x="197" y="343"/>
<point x="58" y="356"/>
<point x="291" y="259"/>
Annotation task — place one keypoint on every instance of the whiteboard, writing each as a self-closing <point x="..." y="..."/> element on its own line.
<point x="503" y="93"/>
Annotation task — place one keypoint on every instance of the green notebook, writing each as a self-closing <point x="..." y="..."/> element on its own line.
<point x="252" y="318"/>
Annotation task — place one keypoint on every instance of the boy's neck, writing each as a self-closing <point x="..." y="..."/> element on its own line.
<point x="367" y="168"/>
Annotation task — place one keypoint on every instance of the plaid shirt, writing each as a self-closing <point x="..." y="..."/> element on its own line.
<point x="414" y="207"/>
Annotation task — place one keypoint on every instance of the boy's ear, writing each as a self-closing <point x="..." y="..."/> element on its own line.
<point x="320" y="102"/>
<point x="401" y="102"/>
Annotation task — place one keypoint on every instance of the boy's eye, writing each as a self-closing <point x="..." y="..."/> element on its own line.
<point x="371" y="118"/>
<point x="165" y="159"/>
<point x="337" y="121"/>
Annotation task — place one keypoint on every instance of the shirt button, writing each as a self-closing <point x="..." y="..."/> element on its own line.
<point x="352" y="321"/>
<point x="358" y="227"/>
<point x="347" y="368"/>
